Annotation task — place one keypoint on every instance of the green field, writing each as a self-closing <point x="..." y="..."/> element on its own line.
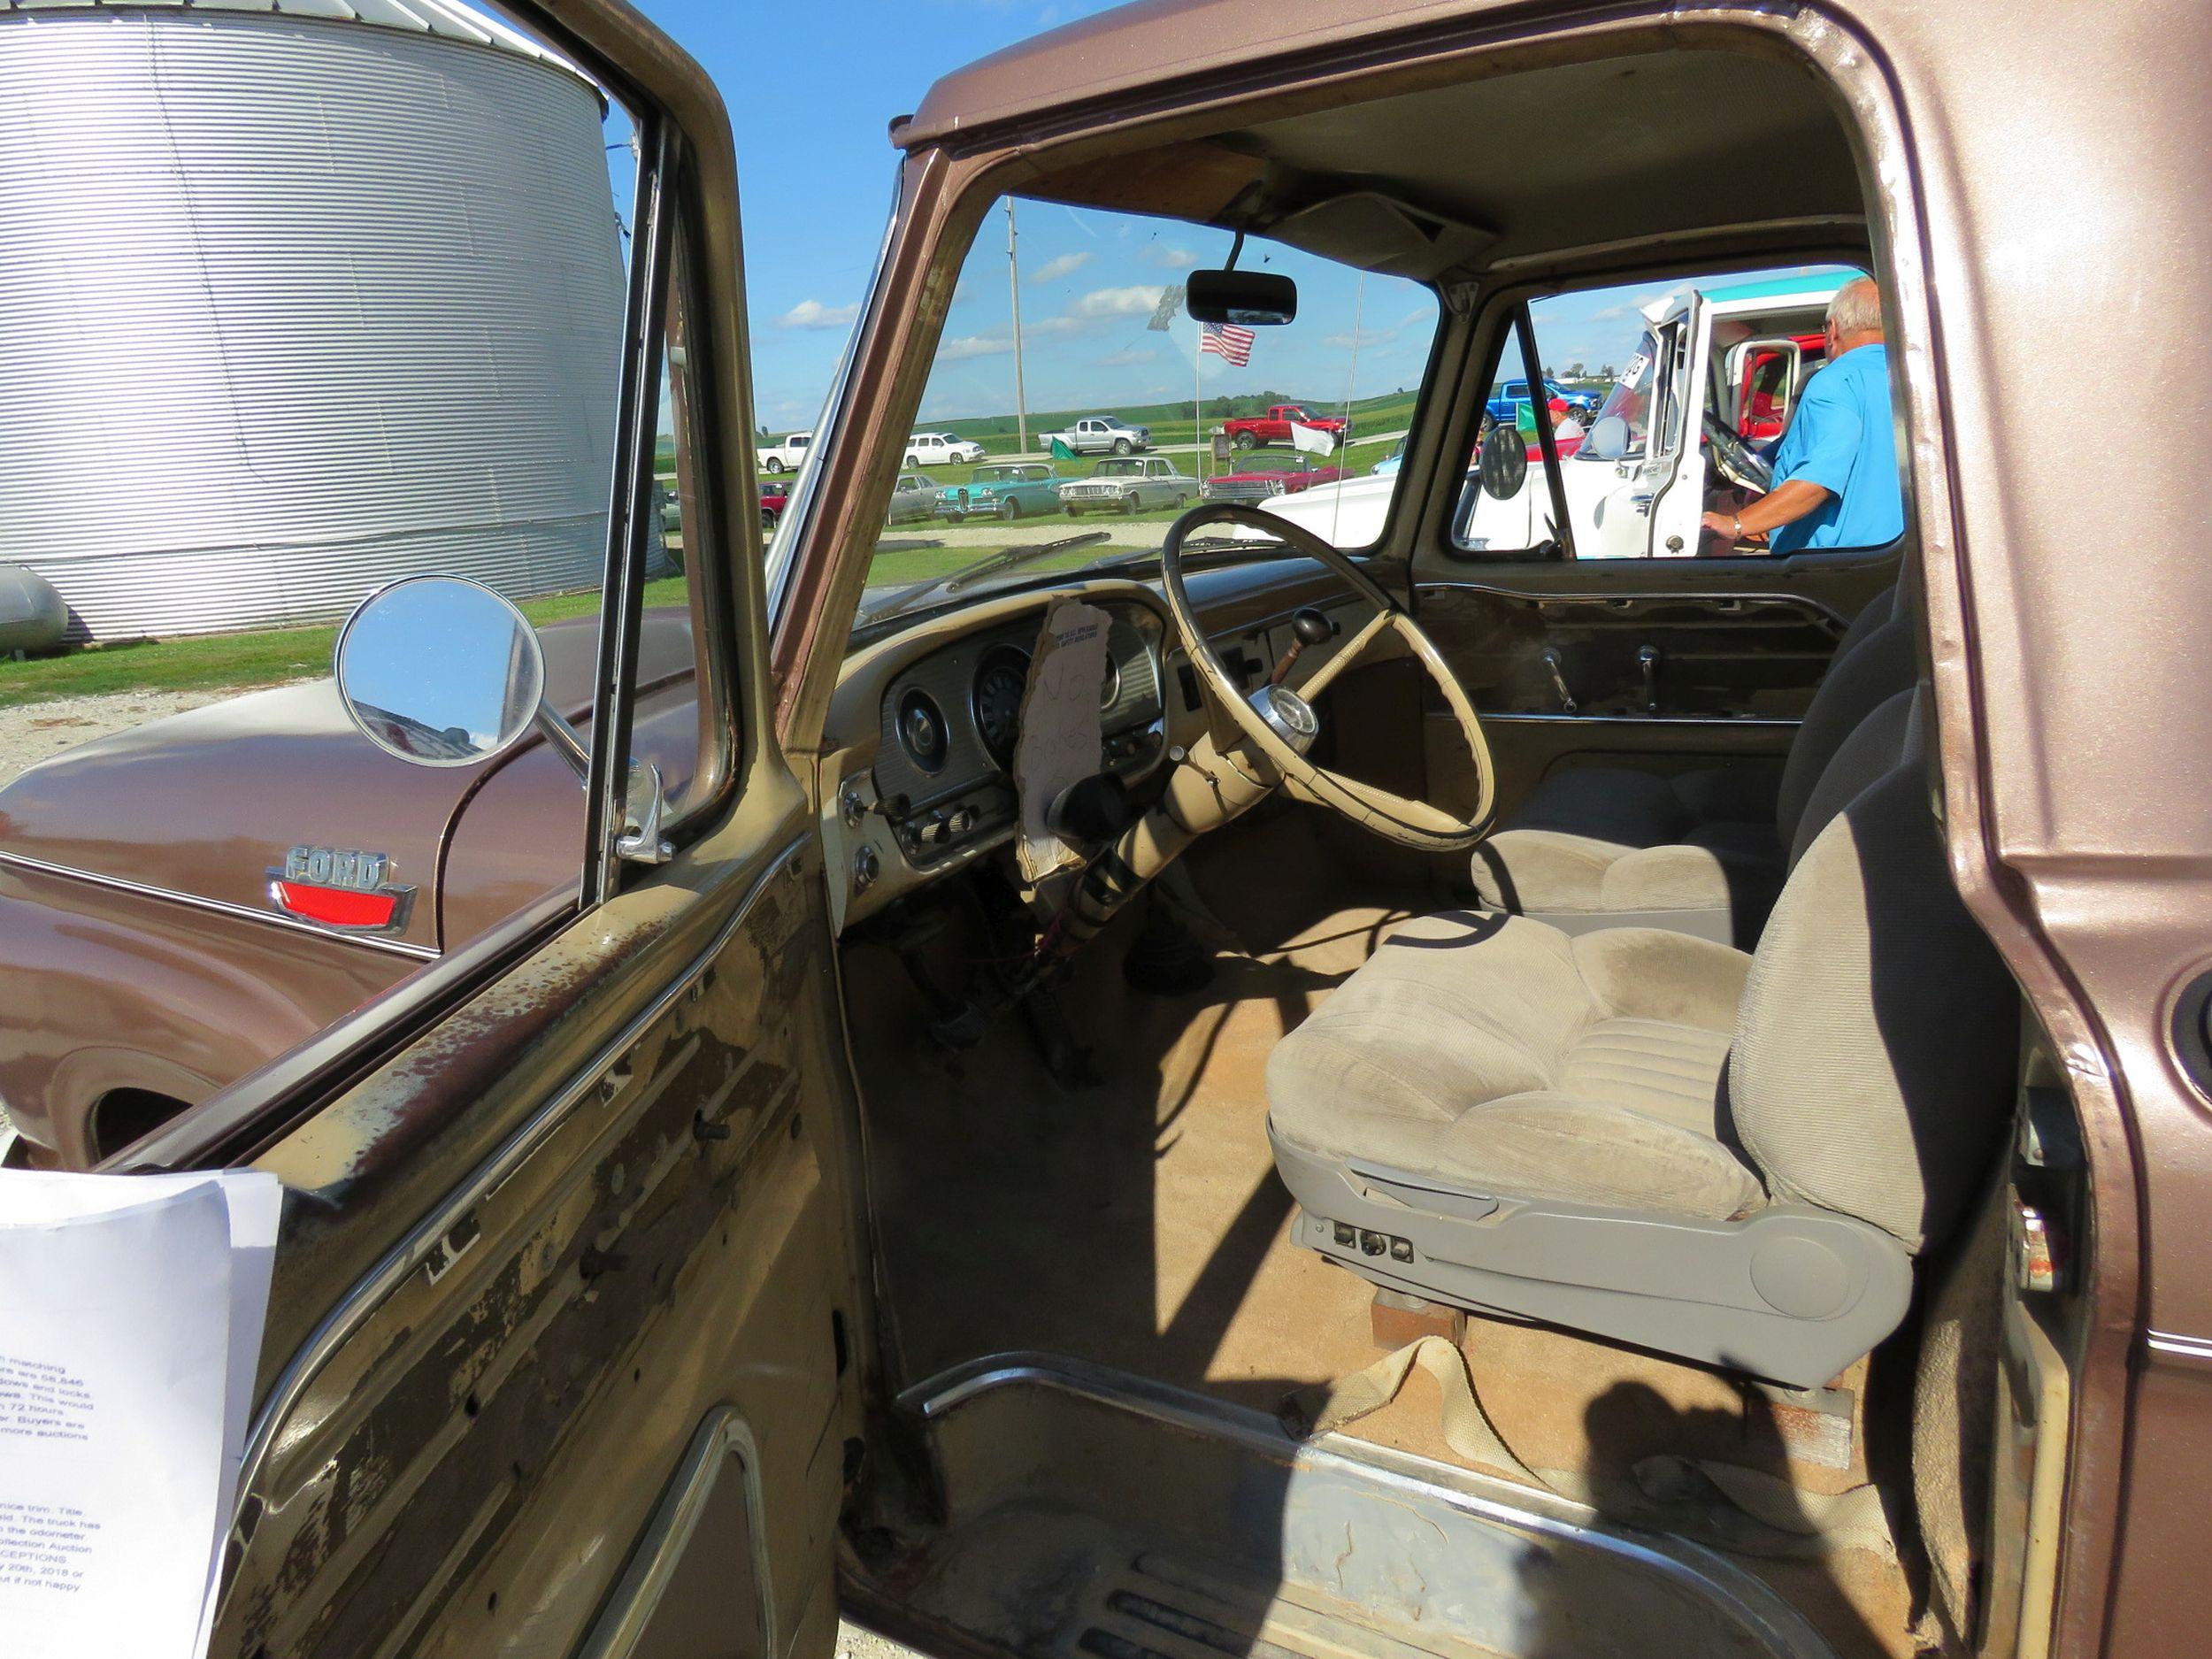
<point x="233" y="661"/>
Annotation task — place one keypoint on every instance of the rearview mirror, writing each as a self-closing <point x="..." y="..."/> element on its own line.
<point x="1607" y="440"/>
<point x="1256" y="299"/>
<point x="1504" y="465"/>
<point x="439" y="670"/>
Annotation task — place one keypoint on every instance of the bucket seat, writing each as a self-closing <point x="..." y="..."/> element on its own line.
<point x="1697" y="852"/>
<point x="1657" y="1138"/>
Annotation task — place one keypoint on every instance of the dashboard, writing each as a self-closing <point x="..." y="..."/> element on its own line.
<point x="949" y="724"/>
<point x="919" y="750"/>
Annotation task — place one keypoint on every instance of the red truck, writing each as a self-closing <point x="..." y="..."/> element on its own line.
<point x="1274" y="426"/>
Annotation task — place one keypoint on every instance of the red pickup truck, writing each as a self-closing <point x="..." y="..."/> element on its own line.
<point x="1248" y="432"/>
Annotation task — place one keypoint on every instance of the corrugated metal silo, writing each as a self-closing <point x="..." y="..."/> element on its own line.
<point x="294" y="301"/>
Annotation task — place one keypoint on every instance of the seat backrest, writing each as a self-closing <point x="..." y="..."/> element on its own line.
<point x="1877" y="1040"/>
<point x="1875" y="660"/>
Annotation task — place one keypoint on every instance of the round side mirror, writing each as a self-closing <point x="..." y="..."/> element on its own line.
<point x="1504" y="463"/>
<point x="1607" y="440"/>
<point x="439" y="670"/>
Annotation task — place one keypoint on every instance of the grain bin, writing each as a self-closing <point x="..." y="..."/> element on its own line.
<point x="295" y="301"/>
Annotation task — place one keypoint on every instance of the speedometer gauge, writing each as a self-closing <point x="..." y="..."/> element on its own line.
<point x="997" y="701"/>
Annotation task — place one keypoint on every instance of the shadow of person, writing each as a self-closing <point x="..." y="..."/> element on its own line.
<point x="1720" y="1480"/>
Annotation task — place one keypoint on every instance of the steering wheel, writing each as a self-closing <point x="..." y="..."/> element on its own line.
<point x="1735" y="459"/>
<point x="1280" y="721"/>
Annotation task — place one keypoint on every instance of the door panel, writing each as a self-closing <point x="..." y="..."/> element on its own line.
<point x="598" y="1207"/>
<point x="1660" y="664"/>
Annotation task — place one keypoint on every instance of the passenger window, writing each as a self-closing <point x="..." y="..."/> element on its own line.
<point x="416" y="369"/>
<point x="1681" y="412"/>
<point x="1085" y="410"/>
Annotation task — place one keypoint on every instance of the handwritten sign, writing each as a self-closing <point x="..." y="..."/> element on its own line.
<point x="1060" y="735"/>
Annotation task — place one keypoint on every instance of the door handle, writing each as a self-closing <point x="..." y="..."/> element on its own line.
<point x="1647" y="660"/>
<point x="1550" y="659"/>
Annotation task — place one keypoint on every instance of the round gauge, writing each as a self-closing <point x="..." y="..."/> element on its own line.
<point x="998" y="687"/>
<point x="922" y="732"/>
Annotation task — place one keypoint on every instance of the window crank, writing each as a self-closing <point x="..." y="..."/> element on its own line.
<point x="1550" y="659"/>
<point x="1647" y="659"/>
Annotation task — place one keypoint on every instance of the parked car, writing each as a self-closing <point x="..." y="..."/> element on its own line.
<point x="1248" y="432"/>
<point x="1515" y="392"/>
<point x="941" y="448"/>
<point x="1010" y="489"/>
<point x="1128" y="484"/>
<point x="1388" y="465"/>
<point x="1506" y="405"/>
<point x="1260" y="483"/>
<point x="915" y="497"/>
<point x="788" y="456"/>
<point x="1098" y="434"/>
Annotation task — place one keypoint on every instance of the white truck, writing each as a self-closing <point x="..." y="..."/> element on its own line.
<point x="788" y="456"/>
<point x="1101" y="434"/>
<point x="1732" y="358"/>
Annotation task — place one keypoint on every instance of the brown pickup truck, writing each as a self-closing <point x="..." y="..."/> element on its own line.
<point x="183" y="900"/>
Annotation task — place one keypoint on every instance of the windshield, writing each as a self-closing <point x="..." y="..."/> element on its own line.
<point x="1631" y="396"/>
<point x="1075" y="360"/>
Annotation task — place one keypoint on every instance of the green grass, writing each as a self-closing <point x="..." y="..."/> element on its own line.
<point x="234" y="662"/>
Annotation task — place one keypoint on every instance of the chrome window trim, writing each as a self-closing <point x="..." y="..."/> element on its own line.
<point x="425" y="1238"/>
<point x="798" y="511"/>
<point x="724" y="1435"/>
<point x="220" y="907"/>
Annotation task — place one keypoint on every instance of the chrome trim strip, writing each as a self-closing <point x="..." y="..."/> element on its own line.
<point x="220" y="907"/>
<point x="660" y="1551"/>
<point x="2196" y="1349"/>
<point x="427" y="1235"/>
<point x="1794" y="601"/>
<point x="1705" y="1570"/>
<point x="1717" y="721"/>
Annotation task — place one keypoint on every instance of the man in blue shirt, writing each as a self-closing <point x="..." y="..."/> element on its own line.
<point x="1835" y="469"/>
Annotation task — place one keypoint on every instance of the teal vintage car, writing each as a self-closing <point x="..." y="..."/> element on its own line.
<point x="1011" y="490"/>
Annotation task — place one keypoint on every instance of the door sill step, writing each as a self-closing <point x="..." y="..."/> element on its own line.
<point x="1093" y="1514"/>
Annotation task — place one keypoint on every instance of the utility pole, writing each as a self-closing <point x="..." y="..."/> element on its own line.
<point x="1013" y="276"/>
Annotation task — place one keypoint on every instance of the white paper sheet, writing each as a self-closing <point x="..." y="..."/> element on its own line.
<point x="1059" y="743"/>
<point x="131" y="1312"/>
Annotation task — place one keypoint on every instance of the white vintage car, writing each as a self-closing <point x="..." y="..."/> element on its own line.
<point x="941" y="448"/>
<point x="1632" y="493"/>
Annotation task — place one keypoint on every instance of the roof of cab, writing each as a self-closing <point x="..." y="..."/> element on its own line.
<point x="1143" y="44"/>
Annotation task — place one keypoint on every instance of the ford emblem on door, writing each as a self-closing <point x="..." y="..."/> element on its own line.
<point x="339" y="886"/>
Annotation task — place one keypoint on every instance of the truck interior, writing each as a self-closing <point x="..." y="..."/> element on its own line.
<point x="1692" y="1111"/>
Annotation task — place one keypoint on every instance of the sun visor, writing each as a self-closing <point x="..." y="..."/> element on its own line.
<point x="1377" y="232"/>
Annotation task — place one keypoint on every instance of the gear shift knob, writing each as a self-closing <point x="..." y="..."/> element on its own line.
<point x="1311" y="626"/>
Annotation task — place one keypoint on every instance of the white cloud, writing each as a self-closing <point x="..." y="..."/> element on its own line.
<point x="973" y="346"/>
<point x="1127" y="356"/>
<point x="1130" y="302"/>
<point x="814" y="314"/>
<point x="1067" y="264"/>
<point x="1364" y="340"/>
<point x="1623" y="309"/>
<point x="1168" y="259"/>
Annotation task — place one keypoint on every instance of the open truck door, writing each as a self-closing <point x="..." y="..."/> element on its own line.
<point x="560" y="1354"/>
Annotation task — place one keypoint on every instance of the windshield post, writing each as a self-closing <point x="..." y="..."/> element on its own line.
<point x="1539" y="405"/>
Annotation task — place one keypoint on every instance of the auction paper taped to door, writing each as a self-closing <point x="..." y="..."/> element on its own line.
<point x="131" y="1311"/>
<point x="1060" y="737"/>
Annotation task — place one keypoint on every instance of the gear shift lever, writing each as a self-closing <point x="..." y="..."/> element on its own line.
<point x="1307" y="626"/>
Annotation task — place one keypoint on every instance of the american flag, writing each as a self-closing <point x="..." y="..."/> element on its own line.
<point x="1225" y="340"/>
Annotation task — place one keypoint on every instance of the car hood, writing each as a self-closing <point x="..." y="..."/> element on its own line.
<point x="206" y="803"/>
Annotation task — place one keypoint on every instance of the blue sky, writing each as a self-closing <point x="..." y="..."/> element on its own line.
<point x="810" y="95"/>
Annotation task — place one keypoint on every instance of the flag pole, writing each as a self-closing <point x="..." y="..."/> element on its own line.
<point x="1013" y="276"/>
<point x="1197" y="421"/>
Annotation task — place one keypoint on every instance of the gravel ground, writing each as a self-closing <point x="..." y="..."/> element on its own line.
<point x="34" y="731"/>
<point x="853" y="1642"/>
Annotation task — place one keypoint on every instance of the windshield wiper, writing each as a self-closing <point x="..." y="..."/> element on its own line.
<point x="970" y="574"/>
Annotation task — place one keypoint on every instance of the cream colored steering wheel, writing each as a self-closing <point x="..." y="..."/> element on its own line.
<point x="1282" y="727"/>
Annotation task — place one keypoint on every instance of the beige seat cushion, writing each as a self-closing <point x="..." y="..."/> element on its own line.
<point x="1504" y="1056"/>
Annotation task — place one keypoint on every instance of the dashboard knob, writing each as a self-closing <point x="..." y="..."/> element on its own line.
<point x="866" y="867"/>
